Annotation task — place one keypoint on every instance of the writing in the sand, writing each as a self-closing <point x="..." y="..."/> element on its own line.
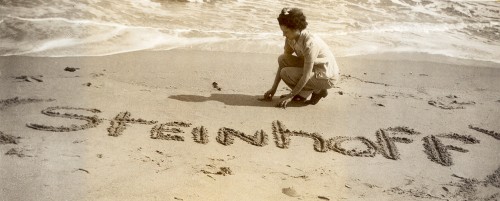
<point x="385" y="143"/>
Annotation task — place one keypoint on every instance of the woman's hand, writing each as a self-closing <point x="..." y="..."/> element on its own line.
<point x="284" y="101"/>
<point x="269" y="94"/>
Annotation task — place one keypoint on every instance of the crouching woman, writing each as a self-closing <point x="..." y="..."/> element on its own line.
<point x="311" y="71"/>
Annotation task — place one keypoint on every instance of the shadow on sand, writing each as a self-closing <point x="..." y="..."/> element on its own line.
<point x="234" y="100"/>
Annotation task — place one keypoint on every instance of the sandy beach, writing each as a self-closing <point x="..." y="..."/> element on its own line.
<point x="188" y="125"/>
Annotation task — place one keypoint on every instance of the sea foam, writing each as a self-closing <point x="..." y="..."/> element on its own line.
<point x="93" y="28"/>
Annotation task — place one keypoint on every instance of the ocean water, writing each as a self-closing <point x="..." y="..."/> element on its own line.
<point x="462" y="29"/>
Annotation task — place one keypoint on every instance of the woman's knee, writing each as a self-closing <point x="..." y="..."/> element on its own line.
<point x="283" y="72"/>
<point x="290" y="75"/>
<point x="282" y="60"/>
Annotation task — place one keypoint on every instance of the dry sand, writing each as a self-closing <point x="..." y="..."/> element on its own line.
<point x="187" y="125"/>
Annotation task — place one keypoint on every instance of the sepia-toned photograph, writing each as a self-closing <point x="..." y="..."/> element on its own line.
<point x="246" y="100"/>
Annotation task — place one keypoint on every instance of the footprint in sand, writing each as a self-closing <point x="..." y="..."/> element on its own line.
<point x="27" y="78"/>
<point x="17" y="152"/>
<point x="222" y="171"/>
<point x="450" y="102"/>
<point x="8" y="139"/>
<point x="71" y="69"/>
<point x="290" y="192"/>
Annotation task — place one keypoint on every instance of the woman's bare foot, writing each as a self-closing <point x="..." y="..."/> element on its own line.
<point x="316" y="97"/>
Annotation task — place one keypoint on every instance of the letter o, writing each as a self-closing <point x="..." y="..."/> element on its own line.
<point x="335" y="144"/>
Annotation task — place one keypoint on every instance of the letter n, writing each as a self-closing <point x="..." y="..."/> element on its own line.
<point x="282" y="137"/>
<point x="226" y="137"/>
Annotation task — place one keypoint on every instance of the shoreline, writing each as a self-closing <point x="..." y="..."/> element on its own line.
<point x="407" y="56"/>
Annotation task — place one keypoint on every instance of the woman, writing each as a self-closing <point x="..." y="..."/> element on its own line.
<point x="313" y="68"/>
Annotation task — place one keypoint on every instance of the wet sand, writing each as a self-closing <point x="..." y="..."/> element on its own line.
<point x="188" y="125"/>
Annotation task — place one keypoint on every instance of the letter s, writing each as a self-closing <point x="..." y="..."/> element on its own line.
<point x="92" y="121"/>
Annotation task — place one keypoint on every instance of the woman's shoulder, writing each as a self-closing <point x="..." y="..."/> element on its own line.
<point x="308" y="38"/>
<point x="306" y="34"/>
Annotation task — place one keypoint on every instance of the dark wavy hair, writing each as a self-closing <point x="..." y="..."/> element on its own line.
<point x="293" y="18"/>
